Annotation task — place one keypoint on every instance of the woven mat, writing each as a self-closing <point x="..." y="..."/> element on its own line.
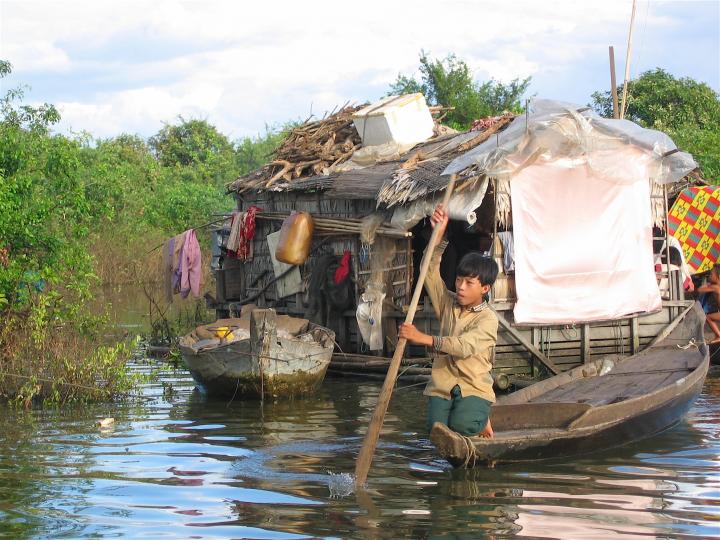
<point x="694" y="220"/>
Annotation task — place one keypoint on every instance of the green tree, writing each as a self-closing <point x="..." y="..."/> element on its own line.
<point x="121" y="174"/>
<point x="251" y="153"/>
<point x="704" y="145"/>
<point x="190" y="142"/>
<point x="685" y="109"/>
<point x="195" y="151"/>
<point x="43" y="210"/>
<point x="22" y="115"/>
<point x="449" y="82"/>
<point x="46" y="271"/>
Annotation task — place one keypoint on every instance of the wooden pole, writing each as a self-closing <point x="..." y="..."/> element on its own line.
<point x="627" y="61"/>
<point x="362" y="467"/>
<point x="613" y="83"/>
<point x="529" y="346"/>
<point x="670" y="327"/>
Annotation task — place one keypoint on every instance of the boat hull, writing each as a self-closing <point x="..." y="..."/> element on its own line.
<point x="644" y="425"/>
<point x="533" y="428"/>
<point x="290" y="368"/>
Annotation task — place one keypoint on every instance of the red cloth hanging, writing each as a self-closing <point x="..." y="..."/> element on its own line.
<point x="343" y="271"/>
<point x="245" y="234"/>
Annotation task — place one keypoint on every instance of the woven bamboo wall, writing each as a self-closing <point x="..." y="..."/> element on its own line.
<point x="256" y="273"/>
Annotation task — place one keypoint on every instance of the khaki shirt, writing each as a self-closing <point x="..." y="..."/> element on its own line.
<point x="468" y="340"/>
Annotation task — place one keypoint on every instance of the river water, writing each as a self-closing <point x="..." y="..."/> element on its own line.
<point x="177" y="465"/>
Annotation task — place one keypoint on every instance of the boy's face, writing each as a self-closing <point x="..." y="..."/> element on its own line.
<point x="470" y="291"/>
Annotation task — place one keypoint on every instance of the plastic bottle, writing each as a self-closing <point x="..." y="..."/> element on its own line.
<point x="295" y="238"/>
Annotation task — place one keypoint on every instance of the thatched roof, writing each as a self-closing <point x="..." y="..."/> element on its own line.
<point x="412" y="175"/>
<point x="550" y="129"/>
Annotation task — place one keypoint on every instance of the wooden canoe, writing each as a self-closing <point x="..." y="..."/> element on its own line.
<point x="267" y="364"/>
<point x="605" y="403"/>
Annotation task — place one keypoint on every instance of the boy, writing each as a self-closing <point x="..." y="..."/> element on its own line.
<point x="711" y="303"/>
<point x="460" y="388"/>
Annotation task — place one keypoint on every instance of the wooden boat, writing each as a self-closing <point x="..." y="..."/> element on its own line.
<point x="608" y="402"/>
<point x="276" y="356"/>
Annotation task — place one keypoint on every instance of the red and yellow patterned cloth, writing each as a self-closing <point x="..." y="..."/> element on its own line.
<point x="695" y="221"/>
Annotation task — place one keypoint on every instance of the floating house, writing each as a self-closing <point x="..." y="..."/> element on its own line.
<point x="564" y="200"/>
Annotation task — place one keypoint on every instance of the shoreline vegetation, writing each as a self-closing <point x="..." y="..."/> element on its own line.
<point x="79" y="214"/>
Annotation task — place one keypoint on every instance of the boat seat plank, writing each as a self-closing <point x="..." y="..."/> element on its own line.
<point x="536" y="415"/>
<point x="668" y="360"/>
<point x="629" y="377"/>
<point x="608" y="388"/>
<point x="586" y="391"/>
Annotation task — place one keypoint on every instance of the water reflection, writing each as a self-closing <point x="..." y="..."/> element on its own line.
<point x="184" y="466"/>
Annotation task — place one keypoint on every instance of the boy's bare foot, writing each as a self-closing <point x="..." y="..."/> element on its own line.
<point x="714" y="341"/>
<point x="488" y="432"/>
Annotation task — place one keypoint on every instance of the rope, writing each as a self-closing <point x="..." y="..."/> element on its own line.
<point x="261" y="362"/>
<point x="192" y="228"/>
<point x="409" y="386"/>
<point x="547" y="340"/>
<point x="619" y="339"/>
<point x="690" y="343"/>
<point x="237" y="385"/>
<point x="566" y="332"/>
<point x="469" y="451"/>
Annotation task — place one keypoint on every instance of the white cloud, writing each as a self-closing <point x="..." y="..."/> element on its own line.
<point x="37" y="56"/>
<point x="242" y="64"/>
<point x="133" y="110"/>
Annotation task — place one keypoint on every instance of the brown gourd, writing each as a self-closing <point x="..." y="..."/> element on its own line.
<point x="295" y="238"/>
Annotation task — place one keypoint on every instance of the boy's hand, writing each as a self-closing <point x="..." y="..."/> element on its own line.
<point x="440" y="219"/>
<point x="413" y="335"/>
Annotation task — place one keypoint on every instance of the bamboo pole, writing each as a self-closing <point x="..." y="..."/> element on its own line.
<point x="378" y="368"/>
<point x="613" y="83"/>
<point x="367" y="451"/>
<point x="337" y="225"/>
<point x="627" y="61"/>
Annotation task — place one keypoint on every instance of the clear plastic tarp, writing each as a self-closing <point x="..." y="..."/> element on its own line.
<point x="462" y="207"/>
<point x="557" y="130"/>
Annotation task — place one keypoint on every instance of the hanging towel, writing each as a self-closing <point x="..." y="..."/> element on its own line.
<point x="177" y="262"/>
<point x="191" y="266"/>
<point x="236" y="221"/>
<point x="506" y="237"/>
<point x="171" y="261"/>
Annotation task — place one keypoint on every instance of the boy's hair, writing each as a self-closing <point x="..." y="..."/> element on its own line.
<point x="479" y="266"/>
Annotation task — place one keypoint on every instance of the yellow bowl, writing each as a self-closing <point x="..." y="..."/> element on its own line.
<point x="222" y="331"/>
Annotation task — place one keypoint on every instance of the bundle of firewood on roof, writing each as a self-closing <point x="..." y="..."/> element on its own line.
<point x="309" y="149"/>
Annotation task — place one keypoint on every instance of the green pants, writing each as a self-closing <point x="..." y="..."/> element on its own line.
<point x="466" y="415"/>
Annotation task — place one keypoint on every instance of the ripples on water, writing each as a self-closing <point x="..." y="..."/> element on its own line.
<point x="180" y="466"/>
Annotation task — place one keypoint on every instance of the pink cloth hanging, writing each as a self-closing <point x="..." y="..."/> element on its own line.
<point x="583" y="243"/>
<point x="191" y="267"/>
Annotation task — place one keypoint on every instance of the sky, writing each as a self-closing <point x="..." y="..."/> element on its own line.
<point x="131" y="66"/>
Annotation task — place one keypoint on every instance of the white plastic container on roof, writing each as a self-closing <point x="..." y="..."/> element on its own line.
<point x="405" y="120"/>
